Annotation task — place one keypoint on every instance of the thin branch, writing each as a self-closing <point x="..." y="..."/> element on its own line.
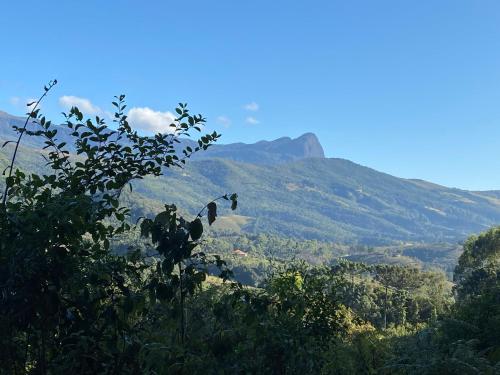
<point x="215" y="200"/>
<point x="21" y="132"/>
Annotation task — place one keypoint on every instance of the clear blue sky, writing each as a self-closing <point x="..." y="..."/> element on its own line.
<point x="411" y="88"/>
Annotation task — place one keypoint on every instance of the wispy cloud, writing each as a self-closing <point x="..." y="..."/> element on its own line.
<point x="150" y="120"/>
<point x="14" y="100"/>
<point x="224" y="121"/>
<point x="252" y="120"/>
<point x="253" y="107"/>
<point x="83" y="104"/>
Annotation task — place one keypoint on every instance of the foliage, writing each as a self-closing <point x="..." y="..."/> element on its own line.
<point x="467" y="340"/>
<point x="477" y="278"/>
<point x="67" y="302"/>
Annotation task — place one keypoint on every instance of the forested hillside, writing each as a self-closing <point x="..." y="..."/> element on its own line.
<point x="288" y="188"/>
<point x="87" y="288"/>
<point x="323" y="199"/>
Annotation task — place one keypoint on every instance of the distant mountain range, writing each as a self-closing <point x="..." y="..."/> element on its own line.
<point x="264" y="152"/>
<point x="288" y="187"/>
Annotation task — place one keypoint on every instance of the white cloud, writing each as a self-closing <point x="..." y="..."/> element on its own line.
<point x="150" y="120"/>
<point x="15" y="100"/>
<point x="252" y="120"/>
<point x="83" y="104"/>
<point x="254" y="107"/>
<point x="224" y="121"/>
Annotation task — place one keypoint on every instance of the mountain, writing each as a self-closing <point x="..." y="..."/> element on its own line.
<point x="281" y="150"/>
<point x="331" y="199"/>
<point x="287" y="187"/>
<point x="264" y="152"/>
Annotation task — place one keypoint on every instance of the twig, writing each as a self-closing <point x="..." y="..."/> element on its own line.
<point x="23" y="130"/>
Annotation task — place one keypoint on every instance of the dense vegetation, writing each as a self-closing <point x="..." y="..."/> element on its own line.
<point x="69" y="303"/>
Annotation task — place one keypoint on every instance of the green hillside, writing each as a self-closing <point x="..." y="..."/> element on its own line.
<point x="330" y="199"/>
<point x="306" y="198"/>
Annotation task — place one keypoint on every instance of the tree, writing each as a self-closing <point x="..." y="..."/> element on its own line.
<point x="67" y="302"/>
<point x="477" y="288"/>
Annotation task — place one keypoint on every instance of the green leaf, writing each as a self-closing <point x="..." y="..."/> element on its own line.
<point x="146" y="227"/>
<point x="212" y="212"/>
<point x="234" y="201"/>
<point x="196" y="229"/>
<point x="163" y="218"/>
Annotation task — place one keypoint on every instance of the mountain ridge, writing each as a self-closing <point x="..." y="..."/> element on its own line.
<point x="280" y="150"/>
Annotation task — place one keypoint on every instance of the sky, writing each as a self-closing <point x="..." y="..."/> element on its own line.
<point x="410" y="88"/>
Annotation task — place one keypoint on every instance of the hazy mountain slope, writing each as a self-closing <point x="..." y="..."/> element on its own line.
<point x="269" y="152"/>
<point x="264" y="152"/>
<point x="331" y="199"/>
